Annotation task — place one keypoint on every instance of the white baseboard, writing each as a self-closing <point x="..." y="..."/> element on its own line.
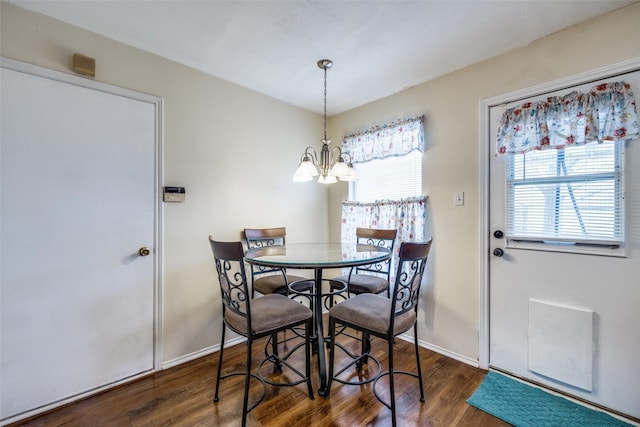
<point x="209" y="350"/>
<point x="440" y="350"/>
<point x="200" y="353"/>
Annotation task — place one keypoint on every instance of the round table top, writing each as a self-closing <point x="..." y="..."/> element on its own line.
<point x="317" y="255"/>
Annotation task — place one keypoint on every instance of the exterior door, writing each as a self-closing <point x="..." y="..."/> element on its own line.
<point x="78" y="204"/>
<point x="567" y="317"/>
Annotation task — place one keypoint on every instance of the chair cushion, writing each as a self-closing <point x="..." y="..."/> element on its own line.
<point x="365" y="283"/>
<point x="371" y="312"/>
<point x="268" y="313"/>
<point x="274" y="283"/>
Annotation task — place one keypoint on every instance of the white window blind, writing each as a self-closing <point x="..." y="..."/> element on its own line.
<point x="391" y="178"/>
<point x="572" y="195"/>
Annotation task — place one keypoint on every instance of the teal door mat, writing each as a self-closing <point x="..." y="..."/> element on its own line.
<point x="522" y="405"/>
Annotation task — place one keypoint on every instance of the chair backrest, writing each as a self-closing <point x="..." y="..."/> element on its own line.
<point x="411" y="262"/>
<point x="262" y="237"/>
<point x="229" y="258"/>
<point x="377" y="237"/>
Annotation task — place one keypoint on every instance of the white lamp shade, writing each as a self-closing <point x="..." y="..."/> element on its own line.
<point x="351" y="176"/>
<point x="340" y="169"/>
<point x="301" y="178"/>
<point x="329" y="179"/>
<point x="305" y="172"/>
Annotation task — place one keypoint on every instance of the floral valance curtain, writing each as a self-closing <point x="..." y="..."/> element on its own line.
<point x="606" y="112"/>
<point x="391" y="139"/>
<point x="408" y="216"/>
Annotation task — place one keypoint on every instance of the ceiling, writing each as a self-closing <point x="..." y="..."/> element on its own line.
<point x="272" y="46"/>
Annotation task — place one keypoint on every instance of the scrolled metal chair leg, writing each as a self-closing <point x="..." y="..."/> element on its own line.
<point x="307" y="354"/>
<point x="415" y="329"/>
<point x="245" y="403"/>
<point x="215" y="395"/>
<point x="332" y="350"/>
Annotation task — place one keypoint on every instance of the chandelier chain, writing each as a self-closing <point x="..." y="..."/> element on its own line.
<point x="325" y="103"/>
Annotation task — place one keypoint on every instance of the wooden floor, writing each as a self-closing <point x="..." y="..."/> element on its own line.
<point x="183" y="396"/>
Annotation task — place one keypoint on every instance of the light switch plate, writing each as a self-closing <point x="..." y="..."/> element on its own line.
<point x="458" y="198"/>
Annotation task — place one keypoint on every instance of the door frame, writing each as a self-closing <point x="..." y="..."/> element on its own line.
<point x="14" y="65"/>
<point x="484" y="190"/>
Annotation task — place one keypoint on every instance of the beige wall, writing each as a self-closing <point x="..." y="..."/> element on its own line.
<point x="233" y="149"/>
<point x="451" y="162"/>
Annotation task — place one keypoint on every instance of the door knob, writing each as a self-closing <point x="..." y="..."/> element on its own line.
<point x="144" y="251"/>
<point x="498" y="234"/>
<point x="498" y="252"/>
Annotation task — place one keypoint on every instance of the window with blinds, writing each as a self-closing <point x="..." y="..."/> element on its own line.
<point x="391" y="178"/>
<point x="569" y="195"/>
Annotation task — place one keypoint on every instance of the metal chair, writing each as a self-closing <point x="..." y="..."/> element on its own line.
<point x="254" y="319"/>
<point x="372" y="278"/>
<point x="385" y="318"/>
<point x="264" y="279"/>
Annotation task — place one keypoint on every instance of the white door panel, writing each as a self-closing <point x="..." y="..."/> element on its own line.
<point x="78" y="201"/>
<point x="607" y="285"/>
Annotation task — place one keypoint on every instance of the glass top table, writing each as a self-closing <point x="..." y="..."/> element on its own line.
<point x="318" y="256"/>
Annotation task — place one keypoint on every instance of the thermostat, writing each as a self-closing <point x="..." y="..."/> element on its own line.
<point x="173" y="194"/>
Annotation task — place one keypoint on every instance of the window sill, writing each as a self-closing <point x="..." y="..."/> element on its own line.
<point x="582" y="249"/>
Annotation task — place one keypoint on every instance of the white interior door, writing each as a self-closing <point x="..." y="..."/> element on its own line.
<point x="567" y="320"/>
<point x="78" y="201"/>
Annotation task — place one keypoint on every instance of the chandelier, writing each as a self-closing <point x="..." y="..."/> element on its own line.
<point x="332" y="163"/>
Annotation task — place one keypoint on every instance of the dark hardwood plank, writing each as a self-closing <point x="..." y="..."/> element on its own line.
<point x="183" y="396"/>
